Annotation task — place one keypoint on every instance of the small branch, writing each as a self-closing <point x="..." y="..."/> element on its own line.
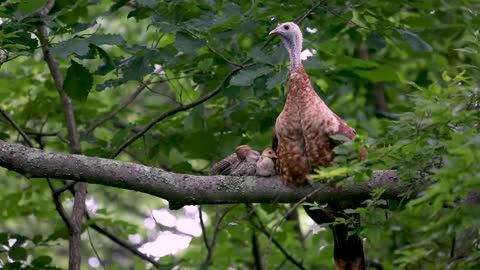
<point x="57" y="76"/>
<point x="122" y="105"/>
<point x="58" y="205"/>
<point x="256" y="252"/>
<point x="67" y="186"/>
<point x="262" y="228"/>
<point x="199" y="101"/>
<point x="16" y="127"/>
<point x="340" y="16"/>
<point x="95" y="250"/>
<point x="42" y="134"/>
<point x="46" y="9"/>
<point x="202" y="225"/>
<point x="218" y="220"/>
<point x="123" y="244"/>
<point x="302" y="17"/>
<point x="298" y="21"/>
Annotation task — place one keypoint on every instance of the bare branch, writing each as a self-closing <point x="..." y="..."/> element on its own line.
<point x="262" y="228"/>
<point x="182" y="189"/>
<point x="58" y="205"/>
<point x="46" y="9"/>
<point x="123" y="244"/>
<point x="218" y="220"/>
<point x="122" y="105"/>
<point x="16" y="127"/>
<point x="199" y="101"/>
<point x="202" y="225"/>
<point x="302" y="17"/>
<point x="74" y="143"/>
<point x="95" y="250"/>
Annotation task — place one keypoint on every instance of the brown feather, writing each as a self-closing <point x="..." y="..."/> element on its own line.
<point x="242" y="162"/>
<point x="303" y="130"/>
<point x="224" y="166"/>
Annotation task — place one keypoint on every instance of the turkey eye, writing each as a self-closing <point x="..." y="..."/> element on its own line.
<point x="286" y="27"/>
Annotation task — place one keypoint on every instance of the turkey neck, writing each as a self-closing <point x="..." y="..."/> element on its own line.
<point x="294" y="48"/>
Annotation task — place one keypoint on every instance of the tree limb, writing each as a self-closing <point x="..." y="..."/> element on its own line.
<point x="174" y="111"/>
<point x="121" y="106"/>
<point x="183" y="189"/>
<point x="74" y="142"/>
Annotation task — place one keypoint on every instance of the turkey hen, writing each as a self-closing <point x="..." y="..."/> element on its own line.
<point x="302" y="140"/>
<point x="303" y="130"/>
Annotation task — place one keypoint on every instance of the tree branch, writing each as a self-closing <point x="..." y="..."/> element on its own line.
<point x="182" y="108"/>
<point x="74" y="142"/>
<point x="17" y="128"/>
<point x="262" y="228"/>
<point x="182" y="189"/>
<point x="121" y="106"/>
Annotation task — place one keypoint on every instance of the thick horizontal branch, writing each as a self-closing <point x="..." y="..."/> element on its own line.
<point x="183" y="189"/>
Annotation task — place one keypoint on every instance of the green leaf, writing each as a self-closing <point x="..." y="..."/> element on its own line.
<point x="376" y="41"/>
<point x="138" y="66"/>
<point x="78" y="81"/>
<point x="108" y="64"/>
<point x="381" y="74"/>
<point x="72" y="46"/>
<point x="4" y="238"/>
<point x="103" y="39"/>
<point x="149" y="3"/>
<point x="414" y="41"/>
<point x="276" y="79"/>
<point x="187" y="44"/>
<point x="246" y="76"/>
<point x="17" y="253"/>
<point x="41" y="261"/>
<point x="348" y="62"/>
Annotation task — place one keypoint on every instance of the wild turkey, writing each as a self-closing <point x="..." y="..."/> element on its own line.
<point x="303" y="130"/>
<point x="266" y="163"/>
<point x="246" y="161"/>
<point x="302" y="141"/>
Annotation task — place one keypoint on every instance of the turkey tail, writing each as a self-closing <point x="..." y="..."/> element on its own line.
<point x="348" y="250"/>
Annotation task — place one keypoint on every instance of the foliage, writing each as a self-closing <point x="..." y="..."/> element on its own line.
<point x="423" y="56"/>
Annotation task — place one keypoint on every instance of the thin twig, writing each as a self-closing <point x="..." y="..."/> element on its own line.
<point x="16" y="127"/>
<point x="67" y="186"/>
<point x="122" y="105"/>
<point x="42" y="134"/>
<point x="262" y="228"/>
<point x="293" y="208"/>
<point x="199" y="101"/>
<point x="213" y="242"/>
<point x="302" y="17"/>
<point x="341" y="17"/>
<point x="95" y="250"/>
<point x="123" y="244"/>
<point x="202" y="225"/>
<point x="58" y="205"/>
<point x="256" y="251"/>
<point x="298" y="20"/>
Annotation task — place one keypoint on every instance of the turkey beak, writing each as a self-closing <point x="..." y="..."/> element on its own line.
<point x="274" y="32"/>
